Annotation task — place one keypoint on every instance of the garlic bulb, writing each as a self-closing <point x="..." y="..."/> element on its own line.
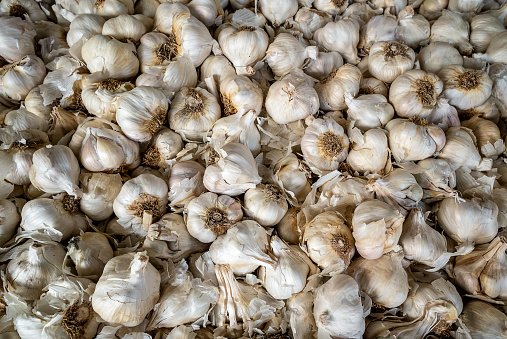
<point x="372" y="86"/>
<point x="383" y="279"/>
<point x="141" y="198"/>
<point x="278" y="12"/>
<point x="127" y="290"/>
<point x="244" y="248"/>
<point x="233" y="171"/>
<point x="163" y="148"/>
<point x="206" y="11"/>
<point x="388" y="59"/>
<point x="414" y="139"/>
<point x="413" y="29"/>
<point x="59" y="218"/>
<point x="444" y="115"/>
<point x="99" y="192"/>
<point x="20" y="119"/>
<point x="185" y="183"/>
<point x="108" y="150"/>
<point x="332" y="89"/>
<point x="453" y="29"/>
<point x="438" y="55"/>
<point x="217" y="67"/>
<point x="338" y="309"/>
<point x="35" y="266"/>
<point x="127" y="27"/>
<point x="101" y="98"/>
<point x="155" y="49"/>
<point x="9" y="220"/>
<point x="489" y="139"/>
<point x="483" y="320"/>
<point x="83" y="27"/>
<point x="460" y="150"/>
<point x="20" y="8"/>
<point x="76" y="141"/>
<point x="287" y="53"/>
<point x="165" y="15"/>
<point x="436" y="178"/>
<point x="211" y="215"/>
<point x="193" y="112"/>
<point x="90" y="252"/>
<point x="484" y="27"/>
<point x="494" y="53"/>
<point x="55" y="169"/>
<point x="287" y="228"/>
<point x="293" y="175"/>
<point x="240" y="94"/>
<point x="323" y="64"/>
<point x="265" y="204"/>
<point x="379" y="28"/>
<point x="302" y="321"/>
<point x="465" y="6"/>
<point x="292" y="98"/>
<point x="415" y="93"/>
<point x="329" y="242"/>
<point x="331" y="6"/>
<point x="369" y="151"/>
<point x="465" y="88"/>
<point x="368" y="111"/>
<point x="341" y="36"/>
<point x="308" y="20"/>
<point x="18" y="78"/>
<point x="432" y="9"/>
<point x="324" y="145"/>
<point x="111" y="57"/>
<point x="108" y="8"/>
<point x="16" y="38"/>
<point x="243" y="46"/>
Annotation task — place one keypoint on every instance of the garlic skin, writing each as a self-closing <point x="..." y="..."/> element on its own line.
<point x="163" y="149"/>
<point x="338" y="309"/>
<point x="308" y="20"/>
<point x="34" y="267"/>
<point x="438" y="55"/>
<point x="460" y="150"/>
<point x="292" y="98"/>
<point x="90" y="252"/>
<point x="16" y="38"/>
<point x="139" y="197"/>
<point x="436" y="178"/>
<point x="99" y="192"/>
<point x="286" y="53"/>
<point x="217" y="67"/>
<point x="332" y="89"/>
<point x="20" y="8"/>
<point x="415" y="93"/>
<point x="323" y="64"/>
<point x="266" y="204"/>
<point x="369" y="151"/>
<point x="234" y="172"/>
<point x="111" y="57"/>
<point x="20" y="119"/>
<point x="108" y="150"/>
<point x="141" y="112"/>
<point x="378" y="28"/>
<point x="240" y="94"/>
<point x="127" y="290"/>
<point x="324" y="145"/>
<point x="383" y="279"/>
<point x="413" y="29"/>
<point x="18" y="78"/>
<point x="83" y="27"/>
<point x="484" y="28"/>
<point x="127" y="27"/>
<point x="109" y="8"/>
<point x="293" y="175"/>
<point x="101" y="98"/>
<point x="452" y="22"/>
<point x="206" y="11"/>
<point x="211" y="215"/>
<point x="185" y="183"/>
<point x="465" y="6"/>
<point x="329" y="242"/>
<point x="389" y="59"/>
<point x="483" y="320"/>
<point x="243" y="46"/>
<point x="341" y="36"/>
<point x="277" y="13"/>
<point x="9" y="220"/>
<point x="494" y="53"/>
<point x="244" y="248"/>
<point x="287" y="228"/>
<point x="54" y="170"/>
<point x="368" y="111"/>
<point x="193" y="112"/>
<point x="489" y="139"/>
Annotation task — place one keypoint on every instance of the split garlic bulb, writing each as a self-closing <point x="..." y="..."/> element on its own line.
<point x="90" y="252"/>
<point x="332" y="89"/>
<point x="240" y="94"/>
<point x="141" y="198"/>
<point x="369" y="152"/>
<point x="244" y="248"/>
<point x="185" y="183"/>
<point x="18" y="78"/>
<point x="436" y="178"/>
<point x="16" y="38"/>
<point x="329" y="242"/>
<point x="266" y="204"/>
<point x="99" y="192"/>
<point x="368" y="111"/>
<point x="308" y="20"/>
<point x="413" y="29"/>
<point x="460" y="150"/>
<point x="338" y="309"/>
<point x="141" y="112"/>
<point x="217" y="67"/>
<point x="341" y="36"/>
<point x="233" y="171"/>
<point x="415" y="93"/>
<point x="55" y="169"/>
<point x="293" y="174"/>
<point x="484" y="27"/>
<point x="438" y="55"/>
<point x="378" y="28"/>
<point x="292" y="98"/>
<point x="383" y="279"/>
<point x="376" y="228"/>
<point x="127" y="290"/>
<point x="278" y="12"/>
<point x="489" y="139"/>
<point x="453" y="29"/>
<point x="483" y="320"/>
<point x="193" y="112"/>
<point x="9" y="220"/>
<point x="323" y="64"/>
<point x="101" y="98"/>
<point x="211" y="215"/>
<point x="389" y="59"/>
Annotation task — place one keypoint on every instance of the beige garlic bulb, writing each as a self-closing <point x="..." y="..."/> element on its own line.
<point x="20" y="8"/>
<point x="332" y="89"/>
<point x="484" y="27"/>
<point x="383" y="279"/>
<point x="438" y="55"/>
<point x="90" y="252"/>
<point x="368" y="111"/>
<point x="266" y="204"/>
<point x="9" y="220"/>
<point x="20" y="119"/>
<point x="293" y="174"/>
<point x="185" y="183"/>
<point x="278" y="12"/>
<point x="217" y="67"/>
<point x="483" y="320"/>
<point x="300" y="310"/>
<point x="34" y="267"/>
<point x="127" y="290"/>
<point x="18" y="78"/>
<point x="415" y="93"/>
<point x="240" y="94"/>
<point x="432" y="9"/>
<point x="287" y="228"/>
<point x="388" y="59"/>
<point x="127" y="27"/>
<point x="155" y="49"/>
<point x="99" y="192"/>
<point x="329" y="242"/>
<point x="379" y="28"/>
<point x="16" y="38"/>
<point x="489" y="139"/>
<point x="107" y="8"/>
<point x="465" y="6"/>
<point x="323" y="64"/>
<point x="413" y="29"/>
<point x="193" y="112"/>
<point x="341" y="36"/>
<point x="307" y="20"/>
<point x="444" y="115"/>
<point x="369" y="151"/>
<point x="331" y="6"/>
<point x="494" y="53"/>
<point x="101" y="97"/>
<point x="211" y="215"/>
<point x="163" y="148"/>
<point x="460" y="150"/>
<point x="206" y="11"/>
<point x="141" y="199"/>
<point x="372" y="86"/>
<point x="453" y="29"/>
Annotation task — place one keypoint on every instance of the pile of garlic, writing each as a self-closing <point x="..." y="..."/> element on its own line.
<point x="197" y="169"/>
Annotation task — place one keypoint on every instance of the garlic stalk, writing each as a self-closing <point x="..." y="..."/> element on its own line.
<point x="348" y="30"/>
<point x="90" y="252"/>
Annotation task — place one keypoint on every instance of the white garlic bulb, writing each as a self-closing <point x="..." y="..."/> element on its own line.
<point x="244" y="248"/>
<point x="338" y="309"/>
<point x="324" y="145"/>
<point x="127" y="290"/>
<point x="437" y="55"/>
<point x="101" y="98"/>
<point x="489" y="139"/>
<point x="9" y="220"/>
<point x="20" y="8"/>
<point x="483" y="320"/>
<point x="265" y="204"/>
<point x="376" y="228"/>
<point x="155" y="49"/>
<point x="383" y="279"/>
<point x="211" y="215"/>
<point x="341" y="36"/>
<point x="127" y="27"/>
<point x="415" y="93"/>
<point x="368" y="111"/>
<point x="379" y="28"/>
<point x="20" y="120"/>
<point x="302" y="321"/>
<point x="432" y="9"/>
<point x="233" y="171"/>
<point x="166" y="14"/>
<point x="372" y="86"/>
<point x="16" y="38"/>
<point x="206" y="11"/>
<point x="331" y="6"/>
<point x="76" y="141"/>
<point x="329" y="242"/>
<point x="413" y="29"/>
<point x="293" y="175"/>
<point x="484" y="27"/>
<point x="323" y="64"/>
<point x="185" y="183"/>
<point x="55" y="169"/>
<point x="444" y="115"/>
<point x="388" y="59"/>
<point x="465" y="5"/>
<point x="90" y="252"/>
<point x="141" y="198"/>
<point x="99" y="192"/>
<point x="18" y="78"/>
<point x="436" y="178"/>
<point x="332" y="89"/>
<point x="108" y="8"/>
<point x="240" y="94"/>
<point x="453" y="29"/>
<point x="278" y="12"/>
<point x="193" y="112"/>
<point x="217" y="67"/>
<point x="292" y="98"/>
<point x="369" y="151"/>
<point x="308" y="20"/>
<point x="494" y="53"/>
<point x="83" y="27"/>
<point x="163" y="148"/>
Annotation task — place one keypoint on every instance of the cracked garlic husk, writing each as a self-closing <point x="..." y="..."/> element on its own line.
<point x="141" y="198"/>
<point x="100" y="97"/>
<point x="21" y="119"/>
<point x="378" y="28"/>
<point x="211" y="215"/>
<point x="244" y="248"/>
<point x="489" y="139"/>
<point x="163" y="148"/>
<point x="308" y="20"/>
<point x="217" y="67"/>
<point x="90" y="252"/>
<point x="437" y="55"/>
<point x="369" y="152"/>
<point x="389" y="59"/>
<point x="16" y="38"/>
<point x="239" y="94"/>
<point x="484" y="320"/>
<point x="292" y="173"/>
<point x="376" y="228"/>
<point x="9" y="220"/>
<point x="99" y="192"/>
<point x="323" y="64"/>
<point x="127" y="290"/>
<point x="368" y="111"/>
<point x="278" y="12"/>
<point x="185" y="183"/>
<point x="266" y="204"/>
<point x="341" y="36"/>
<point x="287" y="229"/>
<point x="453" y="29"/>
<point x="18" y="78"/>
<point x="413" y="29"/>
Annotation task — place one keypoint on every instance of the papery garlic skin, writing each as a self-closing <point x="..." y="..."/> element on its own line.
<point x="211" y="215"/>
<point x="239" y="93"/>
<point x="323" y="64"/>
<point x="483" y="28"/>
<point x="9" y="220"/>
<point x="438" y="55"/>
<point x="444" y="115"/>
<point x="483" y="320"/>
<point x="460" y="150"/>
<point x="185" y="183"/>
<point x="16" y="38"/>
<point x="99" y="192"/>
<point x="90" y="252"/>
<point x="308" y="20"/>
<point x="83" y="27"/>
<point x="17" y="79"/>
<point x="348" y="30"/>
<point x="101" y="98"/>
<point x="278" y="12"/>
<point x="369" y="151"/>
<point x="266" y="204"/>
<point x="413" y="29"/>
<point x="379" y="28"/>
<point x="127" y="290"/>
<point x="389" y="59"/>
<point x="494" y="53"/>
<point x="369" y="111"/>
<point x="302" y="321"/>
<point x="489" y="139"/>
<point x="332" y="89"/>
<point x="372" y="86"/>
